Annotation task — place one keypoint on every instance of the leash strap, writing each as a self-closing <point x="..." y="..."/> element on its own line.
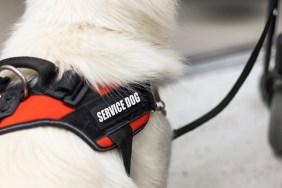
<point x="245" y="73"/>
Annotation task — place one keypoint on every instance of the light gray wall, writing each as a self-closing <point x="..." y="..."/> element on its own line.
<point x="10" y="11"/>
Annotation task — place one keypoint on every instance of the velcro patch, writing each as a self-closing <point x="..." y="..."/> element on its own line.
<point x="122" y="106"/>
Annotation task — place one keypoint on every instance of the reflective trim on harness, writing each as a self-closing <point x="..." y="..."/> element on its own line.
<point x="43" y="107"/>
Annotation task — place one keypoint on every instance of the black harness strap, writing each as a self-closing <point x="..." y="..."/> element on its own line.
<point x="123" y="139"/>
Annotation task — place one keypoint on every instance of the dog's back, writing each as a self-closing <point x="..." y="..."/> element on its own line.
<point x="111" y="42"/>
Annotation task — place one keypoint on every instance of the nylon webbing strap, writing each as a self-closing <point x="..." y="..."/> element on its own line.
<point x="245" y="73"/>
<point x="123" y="139"/>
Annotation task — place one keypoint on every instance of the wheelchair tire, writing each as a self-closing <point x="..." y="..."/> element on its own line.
<point x="275" y="128"/>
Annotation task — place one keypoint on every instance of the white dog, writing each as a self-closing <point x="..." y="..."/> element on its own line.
<point x="108" y="42"/>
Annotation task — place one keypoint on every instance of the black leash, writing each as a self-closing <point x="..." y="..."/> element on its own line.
<point x="245" y="73"/>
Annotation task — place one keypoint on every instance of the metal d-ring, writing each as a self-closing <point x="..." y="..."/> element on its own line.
<point x="20" y="75"/>
<point x="161" y="107"/>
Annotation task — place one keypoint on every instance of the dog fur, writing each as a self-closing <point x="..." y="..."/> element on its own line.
<point x="112" y="42"/>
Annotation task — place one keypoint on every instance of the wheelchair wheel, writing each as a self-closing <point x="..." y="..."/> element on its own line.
<point x="275" y="129"/>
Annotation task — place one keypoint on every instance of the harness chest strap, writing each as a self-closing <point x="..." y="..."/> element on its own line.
<point x="104" y="119"/>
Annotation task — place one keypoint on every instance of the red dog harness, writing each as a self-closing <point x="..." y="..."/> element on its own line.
<point x="104" y="119"/>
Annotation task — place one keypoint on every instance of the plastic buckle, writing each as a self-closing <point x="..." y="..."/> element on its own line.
<point x="80" y="91"/>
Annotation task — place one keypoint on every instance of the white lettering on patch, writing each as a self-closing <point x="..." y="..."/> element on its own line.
<point x="118" y="107"/>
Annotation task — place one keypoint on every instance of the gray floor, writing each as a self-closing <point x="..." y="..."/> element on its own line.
<point x="230" y="151"/>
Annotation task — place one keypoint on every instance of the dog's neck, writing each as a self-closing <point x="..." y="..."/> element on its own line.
<point x="111" y="43"/>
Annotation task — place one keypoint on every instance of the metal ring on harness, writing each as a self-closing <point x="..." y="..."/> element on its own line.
<point x="20" y="75"/>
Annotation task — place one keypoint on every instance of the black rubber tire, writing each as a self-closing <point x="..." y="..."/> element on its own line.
<point x="266" y="88"/>
<point x="275" y="128"/>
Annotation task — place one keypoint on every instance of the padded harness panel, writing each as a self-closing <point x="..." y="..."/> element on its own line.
<point x="104" y="119"/>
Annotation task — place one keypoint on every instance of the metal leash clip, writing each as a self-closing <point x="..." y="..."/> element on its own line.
<point x="20" y="75"/>
<point x="160" y="103"/>
<point x="161" y="107"/>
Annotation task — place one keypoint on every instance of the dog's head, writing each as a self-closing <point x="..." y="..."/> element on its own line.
<point x="152" y="19"/>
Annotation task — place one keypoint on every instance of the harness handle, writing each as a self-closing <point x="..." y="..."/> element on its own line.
<point x="46" y="70"/>
<point x="245" y="73"/>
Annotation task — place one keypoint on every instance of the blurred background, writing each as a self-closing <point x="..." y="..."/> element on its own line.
<point x="10" y="11"/>
<point x="215" y="27"/>
<point x="207" y="28"/>
<point x="216" y="37"/>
